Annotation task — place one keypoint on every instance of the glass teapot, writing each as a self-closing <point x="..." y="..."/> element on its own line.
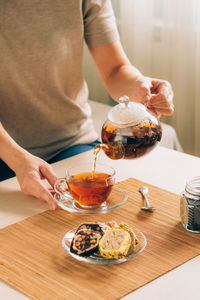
<point x="130" y="131"/>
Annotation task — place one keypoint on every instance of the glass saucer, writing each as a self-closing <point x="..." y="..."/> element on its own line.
<point x="116" y="198"/>
<point x="99" y="260"/>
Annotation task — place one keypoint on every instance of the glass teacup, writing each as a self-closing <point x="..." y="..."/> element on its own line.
<point x="84" y="186"/>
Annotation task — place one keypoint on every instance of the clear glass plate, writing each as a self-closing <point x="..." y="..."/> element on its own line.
<point x="116" y="198"/>
<point x="99" y="260"/>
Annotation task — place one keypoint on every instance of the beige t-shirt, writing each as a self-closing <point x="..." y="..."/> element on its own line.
<point x="43" y="95"/>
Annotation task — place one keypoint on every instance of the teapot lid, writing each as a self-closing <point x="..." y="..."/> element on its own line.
<point x="127" y="112"/>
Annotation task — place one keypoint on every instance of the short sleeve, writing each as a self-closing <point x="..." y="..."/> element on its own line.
<point x="99" y="22"/>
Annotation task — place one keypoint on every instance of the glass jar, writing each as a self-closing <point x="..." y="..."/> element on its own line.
<point x="190" y="205"/>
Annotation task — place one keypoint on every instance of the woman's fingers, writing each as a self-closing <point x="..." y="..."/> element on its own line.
<point x="144" y="93"/>
<point x="161" y="101"/>
<point x="44" y="194"/>
<point x="31" y="175"/>
<point x="161" y="105"/>
<point x="32" y="185"/>
<point x="160" y="86"/>
<point x="48" y="173"/>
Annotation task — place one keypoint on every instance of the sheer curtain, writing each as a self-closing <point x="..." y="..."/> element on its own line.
<point x="162" y="39"/>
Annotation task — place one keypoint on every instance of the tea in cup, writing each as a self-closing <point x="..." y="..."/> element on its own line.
<point x="87" y="187"/>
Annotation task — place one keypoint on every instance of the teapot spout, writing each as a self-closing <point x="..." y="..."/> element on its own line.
<point x="115" y="151"/>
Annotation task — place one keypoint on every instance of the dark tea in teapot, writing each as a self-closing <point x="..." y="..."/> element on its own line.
<point x="130" y="131"/>
<point x="130" y="142"/>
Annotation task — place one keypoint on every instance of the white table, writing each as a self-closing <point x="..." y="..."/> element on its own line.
<point x="162" y="167"/>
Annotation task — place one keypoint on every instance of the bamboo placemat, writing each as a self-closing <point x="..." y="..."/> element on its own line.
<point x="33" y="260"/>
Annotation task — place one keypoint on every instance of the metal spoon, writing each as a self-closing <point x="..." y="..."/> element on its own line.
<point x="144" y="190"/>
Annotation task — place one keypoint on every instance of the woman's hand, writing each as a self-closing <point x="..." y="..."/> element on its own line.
<point x="31" y="172"/>
<point x="121" y="78"/>
<point x="161" y="101"/>
<point x="29" y="169"/>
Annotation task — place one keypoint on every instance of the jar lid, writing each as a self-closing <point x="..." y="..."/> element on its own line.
<point x="193" y="186"/>
<point x="127" y="112"/>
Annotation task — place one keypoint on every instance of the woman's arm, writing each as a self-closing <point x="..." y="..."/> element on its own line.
<point x="121" y="78"/>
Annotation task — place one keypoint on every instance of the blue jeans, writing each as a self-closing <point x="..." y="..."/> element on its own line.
<point x="6" y="172"/>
